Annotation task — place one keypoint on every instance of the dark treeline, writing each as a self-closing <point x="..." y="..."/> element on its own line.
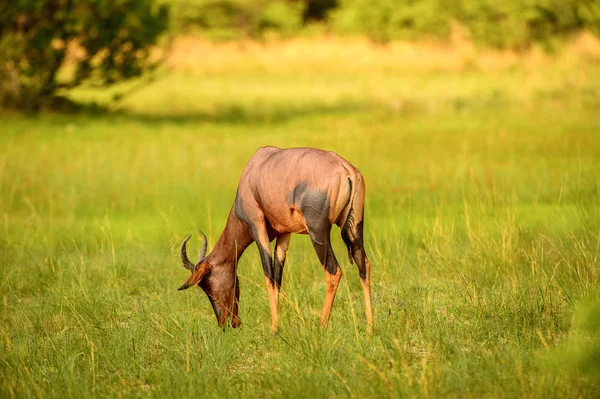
<point x="515" y="24"/>
<point x="105" y="42"/>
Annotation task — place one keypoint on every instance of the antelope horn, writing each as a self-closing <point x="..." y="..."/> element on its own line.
<point x="184" y="259"/>
<point x="203" y="250"/>
<point x="196" y="276"/>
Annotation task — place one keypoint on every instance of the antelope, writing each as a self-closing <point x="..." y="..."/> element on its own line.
<point x="284" y="192"/>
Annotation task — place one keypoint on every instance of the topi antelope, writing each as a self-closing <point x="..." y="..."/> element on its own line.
<point x="285" y="191"/>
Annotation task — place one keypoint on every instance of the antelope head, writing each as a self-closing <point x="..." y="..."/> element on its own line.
<point x="219" y="282"/>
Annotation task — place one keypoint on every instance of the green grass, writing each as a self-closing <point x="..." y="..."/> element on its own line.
<point x="482" y="225"/>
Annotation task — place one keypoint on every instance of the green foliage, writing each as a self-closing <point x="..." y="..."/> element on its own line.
<point x="513" y="24"/>
<point x="223" y="19"/>
<point x="103" y="41"/>
<point x="281" y="16"/>
<point x="588" y="13"/>
<point x="393" y="19"/>
<point x="519" y="23"/>
<point x="502" y="24"/>
<point x="230" y="19"/>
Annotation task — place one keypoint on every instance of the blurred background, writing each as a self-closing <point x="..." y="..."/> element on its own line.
<point x="125" y="126"/>
<point x="48" y="48"/>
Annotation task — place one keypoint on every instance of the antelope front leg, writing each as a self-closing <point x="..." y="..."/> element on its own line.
<point x="262" y="242"/>
<point x="281" y="247"/>
<point x="273" y="280"/>
<point x="273" y="303"/>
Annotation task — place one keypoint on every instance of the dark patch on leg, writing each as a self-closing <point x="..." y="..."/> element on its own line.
<point x="332" y="263"/>
<point x="297" y="193"/>
<point x="267" y="263"/>
<point x="358" y="238"/>
<point x="265" y="256"/>
<point x="358" y="251"/>
<point x="271" y="232"/>
<point x="359" y="258"/>
<point x="315" y="208"/>
<point x="347" y="234"/>
<point x="280" y="253"/>
<point x="278" y="270"/>
<point x="322" y="245"/>
<point x="319" y="231"/>
<point x="313" y="204"/>
<point x="353" y="238"/>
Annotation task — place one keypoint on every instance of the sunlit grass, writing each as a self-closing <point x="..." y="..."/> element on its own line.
<point x="482" y="223"/>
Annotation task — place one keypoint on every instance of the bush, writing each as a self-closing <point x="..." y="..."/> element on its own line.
<point x="589" y="12"/>
<point x="513" y="24"/>
<point x="231" y="19"/>
<point x="282" y="17"/>
<point x="520" y="23"/>
<point x="98" y="40"/>
<point x="393" y="19"/>
<point x="502" y="24"/>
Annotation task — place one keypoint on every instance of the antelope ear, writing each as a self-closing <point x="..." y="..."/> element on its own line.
<point x="196" y="276"/>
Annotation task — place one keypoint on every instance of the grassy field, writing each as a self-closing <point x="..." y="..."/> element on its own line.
<point x="482" y="225"/>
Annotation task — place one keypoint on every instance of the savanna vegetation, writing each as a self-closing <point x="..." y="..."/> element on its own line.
<point x="502" y="24"/>
<point x="51" y="45"/>
<point x="482" y="222"/>
<point x="482" y="213"/>
<point x="95" y="41"/>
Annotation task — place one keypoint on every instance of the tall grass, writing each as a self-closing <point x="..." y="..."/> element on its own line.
<point x="482" y="223"/>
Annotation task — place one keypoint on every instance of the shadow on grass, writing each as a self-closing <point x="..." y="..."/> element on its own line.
<point x="274" y="112"/>
<point x="226" y="114"/>
<point x="261" y="114"/>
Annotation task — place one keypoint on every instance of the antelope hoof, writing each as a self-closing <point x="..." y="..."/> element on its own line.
<point x="274" y="330"/>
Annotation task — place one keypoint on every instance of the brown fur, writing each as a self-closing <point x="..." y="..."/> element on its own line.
<point x="283" y="192"/>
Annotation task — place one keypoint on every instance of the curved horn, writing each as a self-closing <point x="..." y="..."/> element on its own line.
<point x="184" y="259"/>
<point x="203" y="250"/>
<point x="196" y="276"/>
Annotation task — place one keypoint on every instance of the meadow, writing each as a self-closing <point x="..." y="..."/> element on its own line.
<point x="482" y="225"/>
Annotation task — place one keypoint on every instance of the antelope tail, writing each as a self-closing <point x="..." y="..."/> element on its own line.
<point x="347" y="221"/>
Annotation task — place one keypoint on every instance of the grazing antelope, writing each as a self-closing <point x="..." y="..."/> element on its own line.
<point x="281" y="192"/>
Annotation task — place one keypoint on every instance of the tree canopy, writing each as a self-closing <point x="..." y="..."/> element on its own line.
<point x="100" y="40"/>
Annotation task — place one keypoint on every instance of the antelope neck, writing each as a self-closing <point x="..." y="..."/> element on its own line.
<point x="234" y="240"/>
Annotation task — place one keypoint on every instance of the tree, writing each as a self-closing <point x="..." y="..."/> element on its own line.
<point x="105" y="41"/>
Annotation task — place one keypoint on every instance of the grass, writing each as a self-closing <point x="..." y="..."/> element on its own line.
<point x="482" y="224"/>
